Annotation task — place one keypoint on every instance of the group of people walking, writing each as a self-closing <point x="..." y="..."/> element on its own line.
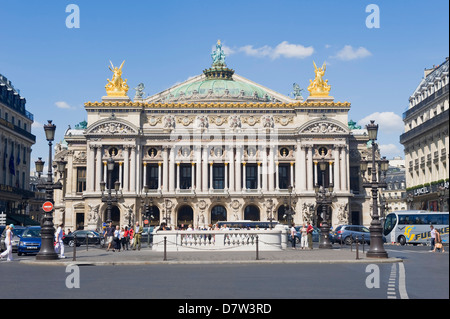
<point x="306" y="240"/>
<point x="123" y="238"/>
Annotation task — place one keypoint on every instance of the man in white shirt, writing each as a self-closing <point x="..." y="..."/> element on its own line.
<point x="433" y="237"/>
<point x="59" y="244"/>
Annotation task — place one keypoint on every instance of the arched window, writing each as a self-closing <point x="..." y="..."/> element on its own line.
<point x="251" y="212"/>
<point x="218" y="213"/>
<point x="185" y="216"/>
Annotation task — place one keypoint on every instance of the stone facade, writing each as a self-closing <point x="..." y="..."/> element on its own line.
<point x="426" y="141"/>
<point x="231" y="157"/>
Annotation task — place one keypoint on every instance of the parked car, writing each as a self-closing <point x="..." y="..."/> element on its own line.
<point x="93" y="238"/>
<point x="348" y="233"/>
<point x="17" y="231"/>
<point x="30" y="241"/>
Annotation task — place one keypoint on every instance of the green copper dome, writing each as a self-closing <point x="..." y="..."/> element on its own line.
<point x="219" y="88"/>
<point x="216" y="85"/>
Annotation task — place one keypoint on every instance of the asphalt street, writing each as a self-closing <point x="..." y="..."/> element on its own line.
<point x="409" y="273"/>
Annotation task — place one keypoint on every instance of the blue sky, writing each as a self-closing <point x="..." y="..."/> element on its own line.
<point x="273" y="43"/>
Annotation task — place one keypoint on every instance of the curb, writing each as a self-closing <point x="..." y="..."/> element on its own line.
<point x="200" y="262"/>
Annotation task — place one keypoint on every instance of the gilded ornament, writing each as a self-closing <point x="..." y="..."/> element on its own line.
<point x="319" y="87"/>
<point x="117" y="86"/>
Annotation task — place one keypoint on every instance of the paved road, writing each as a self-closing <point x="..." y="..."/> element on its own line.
<point x="284" y="275"/>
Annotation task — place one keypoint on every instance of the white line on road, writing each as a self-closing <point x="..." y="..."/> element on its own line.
<point x="402" y="281"/>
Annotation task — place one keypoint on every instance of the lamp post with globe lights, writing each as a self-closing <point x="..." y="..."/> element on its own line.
<point x="376" y="249"/>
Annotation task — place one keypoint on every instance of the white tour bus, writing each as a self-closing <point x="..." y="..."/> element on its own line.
<point x="413" y="226"/>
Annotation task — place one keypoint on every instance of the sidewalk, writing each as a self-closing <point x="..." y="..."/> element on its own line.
<point x="99" y="256"/>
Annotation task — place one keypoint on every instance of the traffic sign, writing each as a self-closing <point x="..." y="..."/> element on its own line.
<point x="47" y="207"/>
<point x="2" y="219"/>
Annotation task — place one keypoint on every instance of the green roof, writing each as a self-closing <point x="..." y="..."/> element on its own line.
<point x="218" y="87"/>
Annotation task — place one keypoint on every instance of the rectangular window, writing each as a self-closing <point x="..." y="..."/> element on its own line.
<point x="81" y="179"/>
<point x="218" y="176"/>
<point x="283" y="176"/>
<point x="251" y="178"/>
<point x="185" y="176"/>
<point x="152" y="176"/>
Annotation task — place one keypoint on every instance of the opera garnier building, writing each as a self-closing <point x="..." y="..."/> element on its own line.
<point x="217" y="147"/>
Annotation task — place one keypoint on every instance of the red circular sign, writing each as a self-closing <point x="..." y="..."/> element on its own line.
<point x="47" y="207"/>
<point x="146" y="221"/>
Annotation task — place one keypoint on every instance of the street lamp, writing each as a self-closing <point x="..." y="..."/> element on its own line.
<point x="290" y="211"/>
<point x="376" y="249"/>
<point x="144" y="204"/>
<point x="109" y="199"/>
<point x="47" y="251"/>
<point x="324" y="198"/>
<point x="39" y="166"/>
<point x="269" y="211"/>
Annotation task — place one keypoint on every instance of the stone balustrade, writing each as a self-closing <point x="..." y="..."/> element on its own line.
<point x="221" y="240"/>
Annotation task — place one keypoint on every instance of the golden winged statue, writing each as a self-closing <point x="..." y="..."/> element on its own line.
<point x="117" y="86"/>
<point x="319" y="87"/>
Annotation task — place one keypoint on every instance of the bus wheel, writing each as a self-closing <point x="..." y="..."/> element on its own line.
<point x="402" y="240"/>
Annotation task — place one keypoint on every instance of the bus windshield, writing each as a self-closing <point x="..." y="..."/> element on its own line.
<point x="389" y="224"/>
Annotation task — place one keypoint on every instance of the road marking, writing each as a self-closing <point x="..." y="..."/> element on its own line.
<point x="391" y="293"/>
<point x="402" y="281"/>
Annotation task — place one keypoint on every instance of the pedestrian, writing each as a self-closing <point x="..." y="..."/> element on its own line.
<point x="117" y="238"/>
<point x="433" y="237"/>
<point x="109" y="234"/>
<point x="131" y="232"/>
<point x="59" y="244"/>
<point x="125" y="238"/>
<point x="438" y="245"/>
<point x="293" y="235"/>
<point x="137" y="236"/>
<point x="304" y="238"/>
<point x="8" y="243"/>
<point x="309" y="231"/>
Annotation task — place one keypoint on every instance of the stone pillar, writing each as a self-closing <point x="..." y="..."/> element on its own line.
<point x="193" y="175"/>
<point x="165" y="181"/>
<point x="232" y="170"/>
<point x="198" y="184"/>
<point x="172" y="170"/>
<point x="309" y="169"/>
<point x="238" y="168"/>
<point x="90" y="169"/>
<point x="177" y="186"/>
<point x="211" y="186"/>
<point x="244" y="176"/>
<point x="144" y="176"/>
<point x="337" y="181"/>
<point x="226" y="175"/>
<point x="133" y="169"/>
<point x="126" y="169"/>
<point x="98" y="168"/>
<point x="159" y="176"/>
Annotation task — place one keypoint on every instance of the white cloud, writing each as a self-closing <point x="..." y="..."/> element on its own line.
<point x="349" y="53"/>
<point x="284" y="49"/>
<point x="389" y="122"/>
<point x="62" y="105"/>
<point x="390" y="150"/>
<point x="37" y="124"/>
